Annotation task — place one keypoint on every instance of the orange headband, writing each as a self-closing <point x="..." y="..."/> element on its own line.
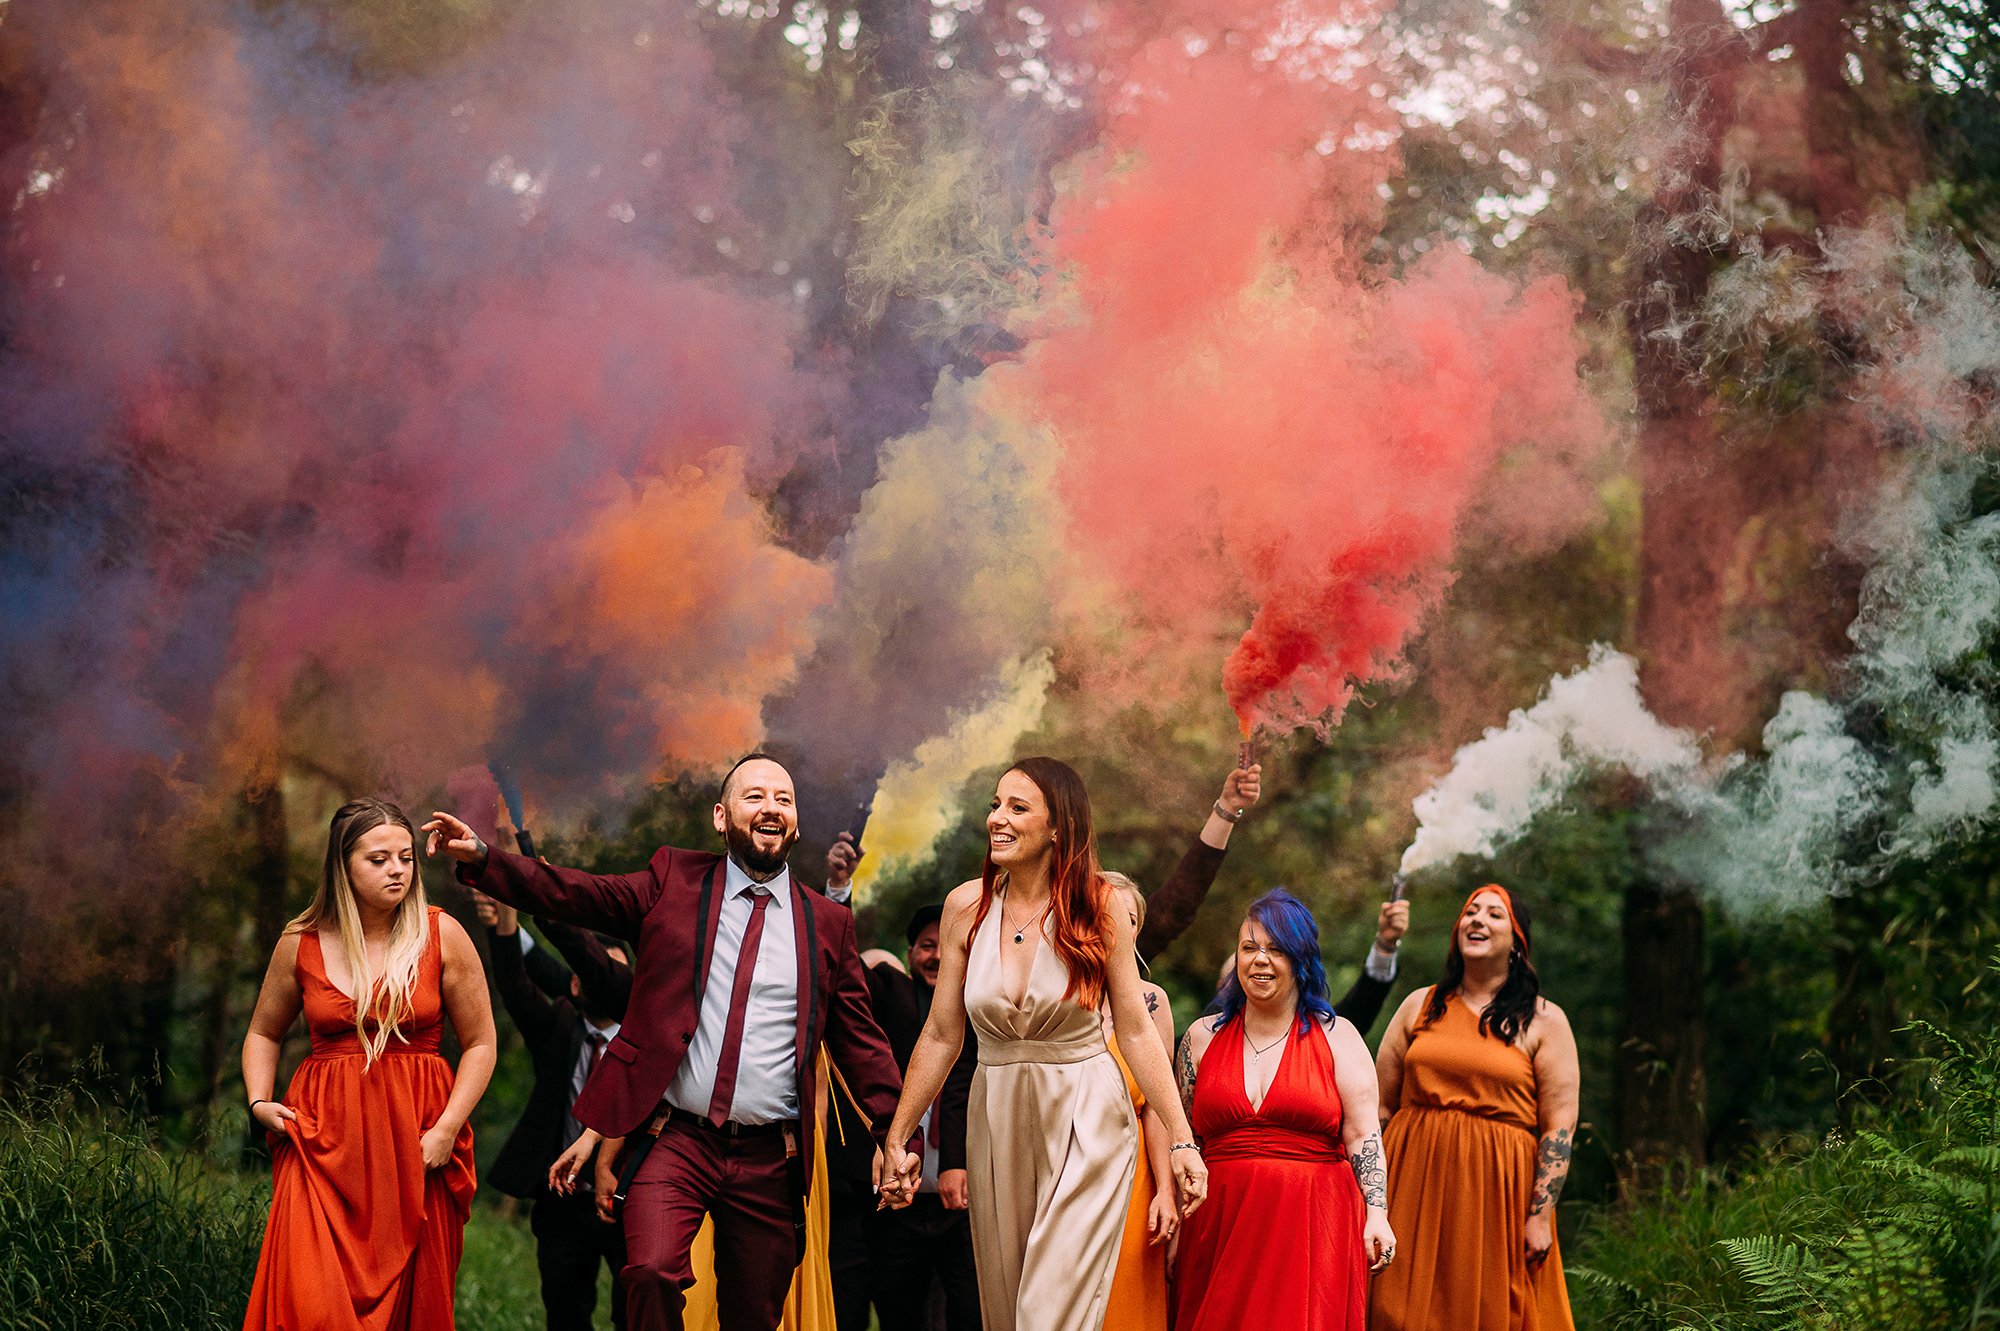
<point x="1513" y="917"/>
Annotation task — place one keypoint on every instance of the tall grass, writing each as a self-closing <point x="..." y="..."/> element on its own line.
<point x="1893" y="1227"/>
<point x="101" y="1229"/>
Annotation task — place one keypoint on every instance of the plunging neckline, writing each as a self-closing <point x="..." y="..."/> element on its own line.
<point x="319" y="941"/>
<point x="1034" y="957"/>
<point x="1242" y="1062"/>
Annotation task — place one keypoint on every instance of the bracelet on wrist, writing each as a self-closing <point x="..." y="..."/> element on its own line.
<point x="1227" y="816"/>
<point x="255" y="1103"/>
<point x="1184" y="1146"/>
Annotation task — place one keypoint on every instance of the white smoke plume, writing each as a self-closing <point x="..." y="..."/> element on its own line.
<point x="1591" y="719"/>
<point x="1903" y="757"/>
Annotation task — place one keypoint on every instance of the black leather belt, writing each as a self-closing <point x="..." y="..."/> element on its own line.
<point x="730" y="1127"/>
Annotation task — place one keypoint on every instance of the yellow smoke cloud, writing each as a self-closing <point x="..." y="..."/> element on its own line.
<point x="918" y="797"/>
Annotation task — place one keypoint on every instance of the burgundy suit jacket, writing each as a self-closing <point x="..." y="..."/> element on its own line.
<point x="670" y="909"/>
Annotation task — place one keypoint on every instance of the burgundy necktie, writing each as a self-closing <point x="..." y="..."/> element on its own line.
<point x="595" y="1039"/>
<point x="739" y="1002"/>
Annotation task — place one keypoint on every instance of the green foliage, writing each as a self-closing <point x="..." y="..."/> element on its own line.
<point x="104" y="1227"/>
<point x="1896" y="1226"/>
<point x="104" y="1230"/>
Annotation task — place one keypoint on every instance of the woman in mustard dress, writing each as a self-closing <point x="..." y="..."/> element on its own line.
<point x="1139" y="1285"/>
<point x="1479" y="1096"/>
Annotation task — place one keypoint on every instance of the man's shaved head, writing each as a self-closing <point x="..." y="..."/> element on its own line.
<point x="729" y="778"/>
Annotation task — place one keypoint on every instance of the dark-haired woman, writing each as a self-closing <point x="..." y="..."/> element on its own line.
<point x="1030" y="949"/>
<point x="1479" y="1092"/>
<point x="1282" y="1095"/>
<point x="371" y="1155"/>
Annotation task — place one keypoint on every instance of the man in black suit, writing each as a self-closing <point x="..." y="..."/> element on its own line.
<point x="892" y="1258"/>
<point x="565" y="1037"/>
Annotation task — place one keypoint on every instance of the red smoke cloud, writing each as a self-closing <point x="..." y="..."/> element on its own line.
<point x="1254" y="423"/>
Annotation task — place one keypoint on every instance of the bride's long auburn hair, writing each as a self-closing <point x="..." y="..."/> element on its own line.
<point x="1078" y="894"/>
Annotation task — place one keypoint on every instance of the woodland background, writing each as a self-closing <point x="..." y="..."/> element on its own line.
<point x="1778" y="1130"/>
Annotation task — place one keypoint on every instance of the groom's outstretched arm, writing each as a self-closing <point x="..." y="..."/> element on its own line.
<point x="610" y="903"/>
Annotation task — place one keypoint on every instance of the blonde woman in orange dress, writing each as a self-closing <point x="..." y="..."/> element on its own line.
<point x="1138" y="1299"/>
<point x="1479" y="1096"/>
<point x="371" y="1154"/>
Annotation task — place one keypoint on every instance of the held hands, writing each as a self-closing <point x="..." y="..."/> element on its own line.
<point x="1391" y="923"/>
<point x="1163" y="1220"/>
<point x="952" y="1190"/>
<point x="436" y="1144"/>
<point x="1378" y="1241"/>
<point x="1539" y="1238"/>
<point x="842" y="858"/>
<point x="897" y="1173"/>
<point x="272" y="1116"/>
<point x="1190" y="1179"/>
<point x="454" y="838"/>
<point x="1241" y="789"/>
<point x="562" y="1174"/>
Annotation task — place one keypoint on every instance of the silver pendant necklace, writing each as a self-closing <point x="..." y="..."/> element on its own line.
<point x="1256" y="1052"/>
<point x="1020" y="934"/>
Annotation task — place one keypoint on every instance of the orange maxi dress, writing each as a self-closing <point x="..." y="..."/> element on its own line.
<point x="1461" y="1169"/>
<point x="362" y="1237"/>
<point x="1139" y="1284"/>
<point x="1277" y="1245"/>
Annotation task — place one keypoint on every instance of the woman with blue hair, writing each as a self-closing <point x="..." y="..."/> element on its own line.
<point x="1281" y="1093"/>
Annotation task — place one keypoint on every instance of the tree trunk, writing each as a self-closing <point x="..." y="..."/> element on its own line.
<point x="271" y="862"/>
<point x="1686" y="534"/>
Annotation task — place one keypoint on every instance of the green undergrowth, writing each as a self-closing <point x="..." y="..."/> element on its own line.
<point x="103" y="1227"/>
<point x="1892" y="1226"/>
<point x="100" y="1228"/>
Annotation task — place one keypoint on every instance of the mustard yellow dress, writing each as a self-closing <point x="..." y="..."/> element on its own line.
<point x="1461" y="1153"/>
<point x="1139" y="1286"/>
<point x="809" y="1307"/>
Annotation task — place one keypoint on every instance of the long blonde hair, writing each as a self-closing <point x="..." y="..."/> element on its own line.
<point x="384" y="1000"/>
<point x="1118" y="882"/>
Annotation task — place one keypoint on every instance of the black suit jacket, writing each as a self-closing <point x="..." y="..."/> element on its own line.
<point x="603" y="975"/>
<point x="552" y="1029"/>
<point x="1362" y="1003"/>
<point x="902" y="1004"/>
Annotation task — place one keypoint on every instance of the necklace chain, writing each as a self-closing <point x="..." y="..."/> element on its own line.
<point x="1258" y="1051"/>
<point x="1020" y="933"/>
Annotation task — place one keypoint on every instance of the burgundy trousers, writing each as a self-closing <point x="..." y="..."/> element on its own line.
<point x="746" y="1185"/>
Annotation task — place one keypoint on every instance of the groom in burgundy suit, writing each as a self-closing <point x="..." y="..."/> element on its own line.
<point x="740" y="974"/>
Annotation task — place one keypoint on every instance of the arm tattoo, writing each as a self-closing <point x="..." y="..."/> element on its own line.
<point x="1152" y="1001"/>
<point x="1369" y="1171"/>
<point x="1186" y="1070"/>
<point x="1551" y="1170"/>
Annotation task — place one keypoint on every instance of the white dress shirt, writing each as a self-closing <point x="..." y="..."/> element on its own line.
<point x="767" y="1067"/>
<point x="1380" y="966"/>
<point x="605" y="1034"/>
